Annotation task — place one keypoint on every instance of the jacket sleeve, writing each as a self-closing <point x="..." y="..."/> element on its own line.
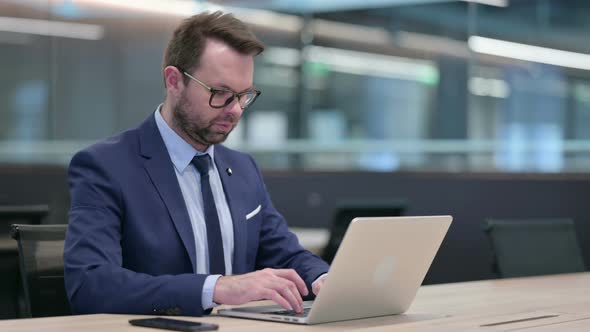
<point x="95" y="279"/>
<point x="280" y="248"/>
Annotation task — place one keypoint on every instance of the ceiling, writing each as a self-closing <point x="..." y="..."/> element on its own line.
<point x="552" y="23"/>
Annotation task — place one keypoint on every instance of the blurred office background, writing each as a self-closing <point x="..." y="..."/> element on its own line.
<point x="380" y="85"/>
<point x="479" y="109"/>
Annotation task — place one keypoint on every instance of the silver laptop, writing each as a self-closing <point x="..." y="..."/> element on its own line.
<point x="376" y="272"/>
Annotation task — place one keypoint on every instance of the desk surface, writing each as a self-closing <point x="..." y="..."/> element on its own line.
<point x="550" y="303"/>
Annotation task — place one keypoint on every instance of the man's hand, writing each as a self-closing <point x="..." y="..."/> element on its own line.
<point x="284" y="287"/>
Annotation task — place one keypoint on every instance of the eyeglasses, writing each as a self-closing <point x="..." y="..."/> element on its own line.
<point x="223" y="97"/>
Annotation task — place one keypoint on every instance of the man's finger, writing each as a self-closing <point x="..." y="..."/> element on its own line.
<point x="288" y="290"/>
<point x="292" y="298"/>
<point x="295" y="278"/>
<point x="276" y="297"/>
<point x="295" y="291"/>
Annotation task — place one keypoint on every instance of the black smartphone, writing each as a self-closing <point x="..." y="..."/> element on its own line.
<point x="173" y="324"/>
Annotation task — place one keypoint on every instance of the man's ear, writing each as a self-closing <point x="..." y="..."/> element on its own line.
<point x="173" y="80"/>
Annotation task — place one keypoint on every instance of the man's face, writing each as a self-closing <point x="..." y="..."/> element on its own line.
<point x="220" y="67"/>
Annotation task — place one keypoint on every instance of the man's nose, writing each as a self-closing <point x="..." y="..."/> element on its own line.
<point x="234" y="108"/>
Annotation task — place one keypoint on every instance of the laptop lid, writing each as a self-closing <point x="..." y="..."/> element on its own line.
<point x="377" y="270"/>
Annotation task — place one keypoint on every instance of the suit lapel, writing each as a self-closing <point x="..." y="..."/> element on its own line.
<point x="233" y="194"/>
<point x="161" y="171"/>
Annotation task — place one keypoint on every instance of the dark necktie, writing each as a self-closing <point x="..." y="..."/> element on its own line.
<point x="214" y="241"/>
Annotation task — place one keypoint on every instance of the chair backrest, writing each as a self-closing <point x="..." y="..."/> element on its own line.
<point x="348" y="210"/>
<point x="534" y="247"/>
<point x="40" y="249"/>
<point x="31" y="213"/>
<point x="12" y="297"/>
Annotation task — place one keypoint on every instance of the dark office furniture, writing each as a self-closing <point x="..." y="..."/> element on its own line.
<point x="534" y="247"/>
<point x="32" y="213"/>
<point x="348" y="210"/>
<point x="40" y="249"/>
<point x="11" y="300"/>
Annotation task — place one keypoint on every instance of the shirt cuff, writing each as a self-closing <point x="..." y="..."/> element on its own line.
<point x="321" y="277"/>
<point x="208" y="288"/>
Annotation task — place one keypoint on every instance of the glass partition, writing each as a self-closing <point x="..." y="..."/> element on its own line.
<point x="459" y="86"/>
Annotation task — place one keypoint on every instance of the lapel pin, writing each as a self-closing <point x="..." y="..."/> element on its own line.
<point x="229" y="171"/>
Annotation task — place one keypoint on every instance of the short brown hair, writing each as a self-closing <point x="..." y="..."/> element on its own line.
<point x="188" y="41"/>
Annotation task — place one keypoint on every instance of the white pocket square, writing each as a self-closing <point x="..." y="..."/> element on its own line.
<point x="253" y="213"/>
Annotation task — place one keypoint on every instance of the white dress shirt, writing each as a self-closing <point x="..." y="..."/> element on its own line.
<point x="181" y="153"/>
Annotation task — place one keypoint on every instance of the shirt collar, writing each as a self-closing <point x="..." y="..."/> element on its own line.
<point x="181" y="153"/>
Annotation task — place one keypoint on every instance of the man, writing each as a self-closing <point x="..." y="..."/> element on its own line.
<point x="166" y="220"/>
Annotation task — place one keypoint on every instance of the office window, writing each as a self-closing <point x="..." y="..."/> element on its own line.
<point x="438" y="86"/>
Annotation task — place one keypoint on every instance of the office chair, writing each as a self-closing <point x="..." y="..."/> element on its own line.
<point x="34" y="214"/>
<point x="40" y="249"/>
<point x="348" y="210"/>
<point x="12" y="300"/>
<point x="534" y="247"/>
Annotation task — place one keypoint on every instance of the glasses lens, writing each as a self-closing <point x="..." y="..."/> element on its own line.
<point x="248" y="98"/>
<point x="221" y="98"/>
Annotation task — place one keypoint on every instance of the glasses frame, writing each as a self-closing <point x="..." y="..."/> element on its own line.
<point x="229" y="100"/>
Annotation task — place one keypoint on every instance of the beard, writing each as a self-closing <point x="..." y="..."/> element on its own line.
<point x="196" y="127"/>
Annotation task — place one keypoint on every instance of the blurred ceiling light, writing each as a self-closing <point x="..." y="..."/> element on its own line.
<point x="370" y="64"/>
<point x="433" y="44"/>
<point x="352" y="32"/>
<point x="51" y="28"/>
<point x="271" y="20"/>
<point x="171" y="7"/>
<point x="321" y="28"/>
<point x="531" y="53"/>
<point x="318" y="6"/>
<point x="497" y="3"/>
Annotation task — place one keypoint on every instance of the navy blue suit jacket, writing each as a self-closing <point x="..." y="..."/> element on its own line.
<point x="130" y="247"/>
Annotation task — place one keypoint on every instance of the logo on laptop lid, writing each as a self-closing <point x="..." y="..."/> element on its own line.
<point x="384" y="270"/>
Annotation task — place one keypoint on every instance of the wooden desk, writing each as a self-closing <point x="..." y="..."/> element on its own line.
<point x="564" y="300"/>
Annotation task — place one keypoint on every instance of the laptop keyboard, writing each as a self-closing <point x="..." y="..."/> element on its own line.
<point x="292" y="313"/>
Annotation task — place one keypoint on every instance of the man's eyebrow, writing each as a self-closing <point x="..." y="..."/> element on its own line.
<point x="226" y="87"/>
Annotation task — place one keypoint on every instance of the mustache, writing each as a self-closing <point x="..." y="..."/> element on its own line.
<point x="231" y="118"/>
